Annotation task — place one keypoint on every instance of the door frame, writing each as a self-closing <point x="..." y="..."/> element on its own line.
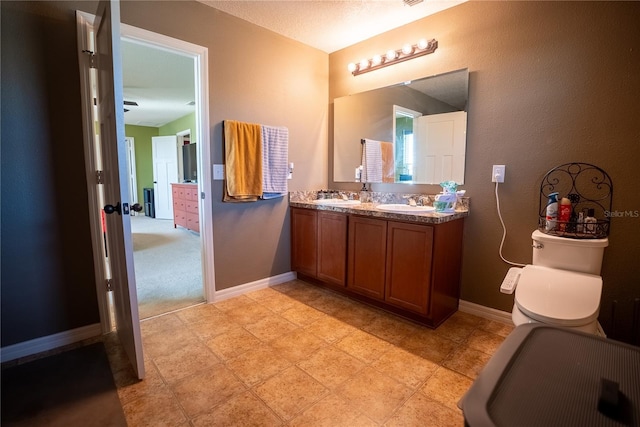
<point x="200" y="54"/>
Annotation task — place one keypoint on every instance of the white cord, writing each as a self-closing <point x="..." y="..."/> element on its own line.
<point x="504" y="231"/>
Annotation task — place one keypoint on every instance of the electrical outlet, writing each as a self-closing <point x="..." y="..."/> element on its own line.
<point x="497" y="173"/>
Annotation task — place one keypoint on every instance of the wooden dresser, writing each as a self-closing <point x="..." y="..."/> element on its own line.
<point x="185" y="206"/>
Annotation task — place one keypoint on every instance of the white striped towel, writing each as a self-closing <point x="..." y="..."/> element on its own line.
<point x="275" y="168"/>
<point x="371" y="161"/>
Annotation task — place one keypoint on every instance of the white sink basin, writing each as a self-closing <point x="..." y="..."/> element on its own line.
<point x="401" y="208"/>
<point x="336" y="202"/>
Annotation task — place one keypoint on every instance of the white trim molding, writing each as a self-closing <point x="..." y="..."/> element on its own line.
<point x="485" y="312"/>
<point x="253" y="286"/>
<point x="38" y="345"/>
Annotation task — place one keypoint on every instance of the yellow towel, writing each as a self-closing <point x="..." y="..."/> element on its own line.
<point x="243" y="161"/>
<point x="388" y="169"/>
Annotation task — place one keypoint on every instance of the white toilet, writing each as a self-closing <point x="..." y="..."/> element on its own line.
<point x="563" y="285"/>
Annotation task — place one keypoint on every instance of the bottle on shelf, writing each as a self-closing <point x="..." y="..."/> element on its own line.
<point x="590" y="222"/>
<point x="564" y="214"/>
<point x="552" y="212"/>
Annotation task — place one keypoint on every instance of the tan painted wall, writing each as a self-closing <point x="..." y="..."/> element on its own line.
<point x="550" y="83"/>
<point x="255" y="76"/>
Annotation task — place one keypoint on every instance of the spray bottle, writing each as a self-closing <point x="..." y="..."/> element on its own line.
<point x="552" y="212"/>
<point x="564" y="214"/>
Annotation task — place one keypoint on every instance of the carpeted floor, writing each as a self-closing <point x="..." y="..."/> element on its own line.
<point x="168" y="266"/>
<point x="73" y="388"/>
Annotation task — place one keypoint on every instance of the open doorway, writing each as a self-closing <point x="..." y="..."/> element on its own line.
<point x="160" y="93"/>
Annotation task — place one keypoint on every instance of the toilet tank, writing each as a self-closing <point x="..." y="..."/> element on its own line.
<point x="582" y="255"/>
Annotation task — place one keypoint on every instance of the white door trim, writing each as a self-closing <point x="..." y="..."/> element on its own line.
<point x="200" y="55"/>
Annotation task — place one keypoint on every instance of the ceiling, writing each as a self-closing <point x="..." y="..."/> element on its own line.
<point x="162" y="83"/>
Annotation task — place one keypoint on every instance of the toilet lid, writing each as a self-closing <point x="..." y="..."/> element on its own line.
<point x="563" y="298"/>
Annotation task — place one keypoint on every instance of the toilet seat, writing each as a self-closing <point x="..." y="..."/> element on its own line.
<point x="558" y="297"/>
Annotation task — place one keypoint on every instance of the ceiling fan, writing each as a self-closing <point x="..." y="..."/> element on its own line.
<point x="130" y="103"/>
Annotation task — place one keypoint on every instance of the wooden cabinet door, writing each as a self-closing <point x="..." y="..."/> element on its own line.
<point x="409" y="266"/>
<point x="332" y="247"/>
<point x="366" y="262"/>
<point x="304" y="243"/>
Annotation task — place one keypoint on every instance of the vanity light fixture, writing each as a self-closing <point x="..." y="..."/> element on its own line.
<point x="408" y="51"/>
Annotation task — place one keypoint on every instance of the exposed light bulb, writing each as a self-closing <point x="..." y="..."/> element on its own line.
<point x="422" y="44"/>
<point x="376" y="60"/>
<point x="364" y="64"/>
<point x="391" y="55"/>
<point x="407" y="49"/>
<point x="352" y="67"/>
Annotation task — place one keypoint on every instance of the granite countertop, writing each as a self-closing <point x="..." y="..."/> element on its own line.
<point x="369" y="209"/>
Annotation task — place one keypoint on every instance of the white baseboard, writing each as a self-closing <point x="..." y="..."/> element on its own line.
<point x="485" y="312"/>
<point x="253" y="286"/>
<point x="38" y="345"/>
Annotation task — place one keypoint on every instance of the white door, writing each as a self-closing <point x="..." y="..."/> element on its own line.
<point x="115" y="180"/>
<point x="131" y="168"/>
<point x="440" y="143"/>
<point x="164" y="150"/>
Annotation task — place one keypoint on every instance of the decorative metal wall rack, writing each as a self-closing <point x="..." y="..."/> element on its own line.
<point x="587" y="187"/>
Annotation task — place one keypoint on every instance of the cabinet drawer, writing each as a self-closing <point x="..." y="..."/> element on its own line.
<point x="192" y="194"/>
<point x="191" y="207"/>
<point x="193" y="222"/>
<point x="180" y="218"/>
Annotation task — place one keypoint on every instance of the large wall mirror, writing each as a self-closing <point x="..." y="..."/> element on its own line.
<point x="423" y="122"/>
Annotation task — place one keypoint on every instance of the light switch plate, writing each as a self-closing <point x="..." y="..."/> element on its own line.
<point x="218" y="172"/>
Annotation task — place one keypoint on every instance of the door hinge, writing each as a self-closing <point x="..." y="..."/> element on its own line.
<point x="202" y="195"/>
<point x="92" y="58"/>
<point x="109" y="285"/>
<point x="99" y="177"/>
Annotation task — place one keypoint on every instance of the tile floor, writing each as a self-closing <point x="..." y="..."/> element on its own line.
<point x="298" y="355"/>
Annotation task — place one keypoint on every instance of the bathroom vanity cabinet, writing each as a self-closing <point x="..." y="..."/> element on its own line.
<point x="412" y="269"/>
<point x="319" y="246"/>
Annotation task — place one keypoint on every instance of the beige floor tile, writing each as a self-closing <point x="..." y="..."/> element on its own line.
<point x="199" y="313"/>
<point x="164" y="323"/>
<point x="332" y="411"/>
<point x="233" y="343"/>
<point x="331" y="366"/>
<point x="422" y="411"/>
<point x="131" y="388"/>
<point x="155" y="409"/>
<point x="210" y="328"/>
<point x="429" y="345"/>
<point x="248" y="313"/>
<point x="206" y="389"/>
<point x="258" y="364"/>
<point x="290" y="392"/>
<point x="494" y="327"/>
<point x="262" y="294"/>
<point x="278" y="302"/>
<point x="302" y="315"/>
<point x="185" y="361"/>
<point x="458" y="327"/>
<point x="374" y="394"/>
<point x="330" y="303"/>
<point x="357" y="315"/>
<point x="392" y="328"/>
<point x="168" y="342"/>
<point x="447" y="387"/>
<point x="304" y="293"/>
<point x="405" y="367"/>
<point x="244" y="410"/>
<point x="297" y="345"/>
<point x="484" y="341"/>
<point x="363" y="346"/>
<point x="467" y="361"/>
<point x="231" y="303"/>
<point x="271" y="327"/>
<point x="330" y="329"/>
